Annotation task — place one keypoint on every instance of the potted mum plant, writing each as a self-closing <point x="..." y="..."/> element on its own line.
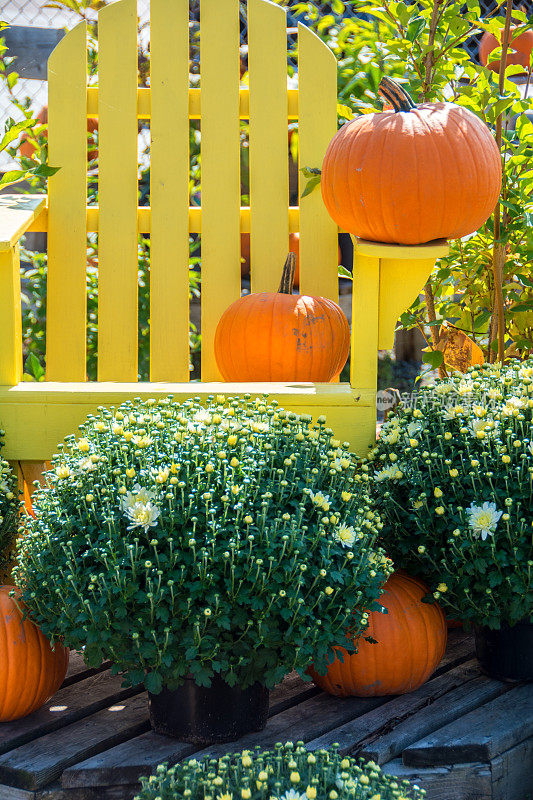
<point x="286" y="773"/>
<point x="205" y="549"/>
<point x="453" y="478"/>
<point x="9" y="516"/>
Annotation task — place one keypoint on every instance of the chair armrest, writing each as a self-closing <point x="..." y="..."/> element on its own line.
<point x="17" y="212"/>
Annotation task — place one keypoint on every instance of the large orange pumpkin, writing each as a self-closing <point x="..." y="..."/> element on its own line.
<point x="30" y="671"/>
<point x="281" y="336"/>
<point x="411" y="640"/>
<point x="519" y="52"/>
<point x="413" y="174"/>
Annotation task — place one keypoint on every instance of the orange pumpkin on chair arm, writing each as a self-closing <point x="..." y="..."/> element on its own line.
<point x="411" y="174"/>
<point x="281" y="336"/>
<point x="411" y="640"/>
<point x="30" y="670"/>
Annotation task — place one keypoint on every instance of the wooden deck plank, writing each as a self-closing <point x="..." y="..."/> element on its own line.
<point x="456" y="782"/>
<point x="512" y="773"/>
<point x="38" y="763"/>
<point x="10" y="793"/>
<point x="460" y="648"/>
<point x="126" y="762"/>
<point x="479" y="735"/>
<point x="78" y="669"/>
<point x="305" y="721"/>
<point x="68" y="705"/>
<point x="446" y="709"/>
<point x="364" y="730"/>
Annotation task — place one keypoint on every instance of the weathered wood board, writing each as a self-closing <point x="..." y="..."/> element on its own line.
<point x="461" y="736"/>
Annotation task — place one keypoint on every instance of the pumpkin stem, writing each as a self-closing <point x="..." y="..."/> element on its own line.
<point x="287" y="278"/>
<point x="395" y="95"/>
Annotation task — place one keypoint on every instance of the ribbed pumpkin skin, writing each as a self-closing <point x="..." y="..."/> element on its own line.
<point x="409" y="177"/>
<point x="282" y="337"/>
<point x="30" y="671"/>
<point x="519" y="51"/>
<point x="411" y="642"/>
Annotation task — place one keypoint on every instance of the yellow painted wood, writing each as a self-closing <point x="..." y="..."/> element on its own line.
<point x="117" y="240"/>
<point x="38" y="416"/>
<point x="435" y="249"/>
<point x="17" y="214"/>
<point x="66" y="291"/>
<point x="195" y="95"/>
<point x="221" y="275"/>
<point x="10" y="318"/>
<point x="269" y="173"/>
<point x="365" y="304"/>
<point x="169" y="191"/>
<point x="144" y="219"/>
<point x="317" y="81"/>
<point x="400" y="283"/>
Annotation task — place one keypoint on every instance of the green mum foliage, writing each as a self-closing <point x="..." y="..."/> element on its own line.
<point x="452" y="475"/>
<point x="286" y="773"/>
<point x="9" y="511"/>
<point x="227" y="537"/>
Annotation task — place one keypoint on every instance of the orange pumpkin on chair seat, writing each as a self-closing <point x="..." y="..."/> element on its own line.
<point x="281" y="336"/>
<point x="411" y="640"/>
<point x="519" y="51"/>
<point x="412" y="174"/>
<point x="30" y="671"/>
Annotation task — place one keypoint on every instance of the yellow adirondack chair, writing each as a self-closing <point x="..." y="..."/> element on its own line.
<point x="36" y="416"/>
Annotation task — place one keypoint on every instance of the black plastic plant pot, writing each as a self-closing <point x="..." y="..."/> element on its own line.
<point x="204" y="716"/>
<point x="506" y="654"/>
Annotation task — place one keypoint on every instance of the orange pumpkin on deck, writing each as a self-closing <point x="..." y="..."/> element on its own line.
<point x="30" y="671"/>
<point x="413" y="174"/>
<point x="519" y="52"/>
<point x="411" y="640"/>
<point x="281" y="336"/>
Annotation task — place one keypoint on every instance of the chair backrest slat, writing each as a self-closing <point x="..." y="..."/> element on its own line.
<point x="118" y="193"/>
<point x="317" y="74"/>
<point x="220" y="177"/>
<point x="269" y="174"/>
<point x="169" y="191"/>
<point x="66" y="330"/>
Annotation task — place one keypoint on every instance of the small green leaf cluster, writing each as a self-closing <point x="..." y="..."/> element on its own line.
<point x="9" y="510"/>
<point x="288" y="772"/>
<point x="452" y="476"/>
<point x="222" y="537"/>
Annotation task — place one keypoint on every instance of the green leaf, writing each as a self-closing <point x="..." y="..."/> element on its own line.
<point x="14" y="132"/>
<point x="343" y="273"/>
<point x="33" y="367"/>
<point x="153" y="682"/>
<point x="435" y="358"/>
<point x="311" y="184"/>
<point x="13" y="176"/>
<point x="310" y="172"/>
<point x="44" y="171"/>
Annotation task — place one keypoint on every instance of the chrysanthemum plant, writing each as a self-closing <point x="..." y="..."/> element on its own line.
<point x="9" y="513"/>
<point x="286" y="773"/>
<point x="229" y="538"/>
<point x="452" y="476"/>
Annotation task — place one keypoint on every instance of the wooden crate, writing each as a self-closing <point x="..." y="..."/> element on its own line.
<point x="462" y="736"/>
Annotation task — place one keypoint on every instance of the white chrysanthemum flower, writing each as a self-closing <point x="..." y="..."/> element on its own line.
<point x="516" y="402"/>
<point x="465" y="388"/>
<point x="391" y="435"/>
<point x="530" y="448"/>
<point x="87" y="464"/>
<point x="202" y="417"/>
<point x="413" y="428"/>
<point x="477" y="425"/>
<point x="62" y="472"/>
<point x="142" y="515"/>
<point x="390" y="473"/>
<point x="293" y="794"/>
<point x="320" y="500"/>
<point x="483" y="519"/>
<point x="137" y="495"/>
<point x="260" y="427"/>
<point x="443" y="388"/>
<point x="4" y="488"/>
<point x="345" y="535"/>
<point x="494" y="394"/>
